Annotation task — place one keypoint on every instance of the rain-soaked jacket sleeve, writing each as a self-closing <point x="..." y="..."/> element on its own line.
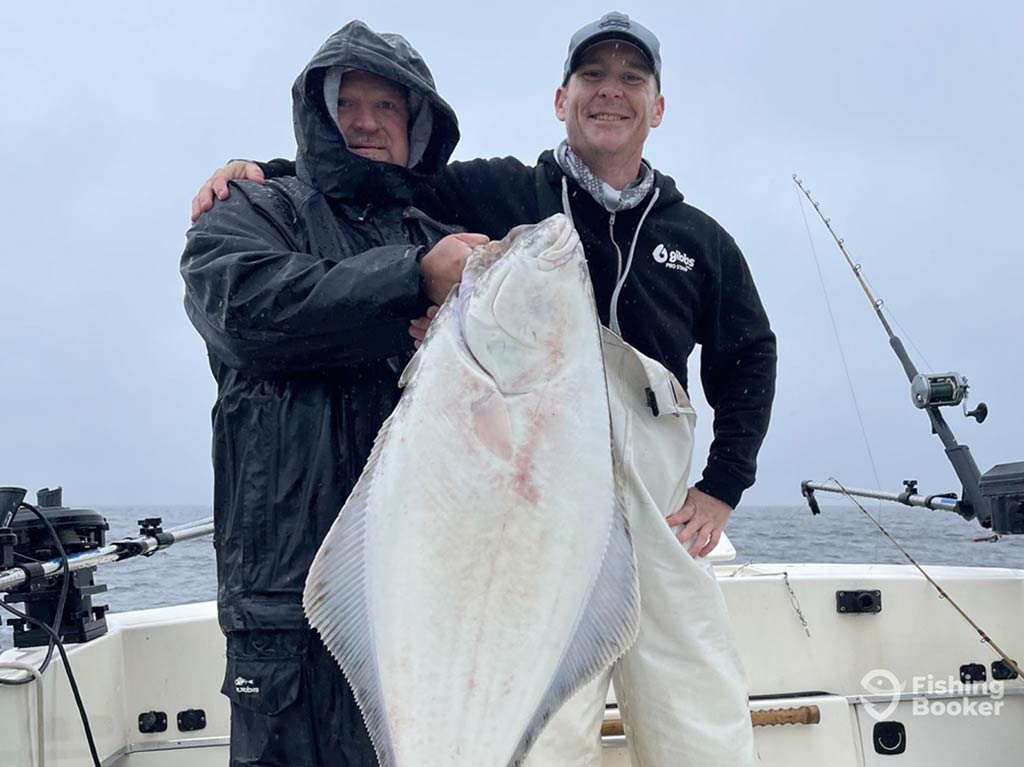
<point x="263" y="305"/>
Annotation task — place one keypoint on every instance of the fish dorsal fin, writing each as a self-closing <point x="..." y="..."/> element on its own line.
<point x="606" y="626"/>
<point x="335" y="601"/>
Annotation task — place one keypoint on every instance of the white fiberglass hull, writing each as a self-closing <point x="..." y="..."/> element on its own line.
<point x="800" y="654"/>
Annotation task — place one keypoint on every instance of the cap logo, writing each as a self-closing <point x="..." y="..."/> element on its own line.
<point x="614" y="21"/>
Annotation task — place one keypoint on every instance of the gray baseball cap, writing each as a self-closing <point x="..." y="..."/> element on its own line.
<point x="614" y="26"/>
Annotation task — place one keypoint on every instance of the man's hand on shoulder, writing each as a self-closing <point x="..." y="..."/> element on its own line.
<point x="703" y="519"/>
<point x="217" y="184"/>
<point x="441" y="268"/>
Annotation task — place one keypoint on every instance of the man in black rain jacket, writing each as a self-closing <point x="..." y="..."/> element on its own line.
<point x="303" y="290"/>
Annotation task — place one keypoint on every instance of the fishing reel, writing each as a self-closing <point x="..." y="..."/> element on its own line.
<point x="995" y="499"/>
<point x="944" y="390"/>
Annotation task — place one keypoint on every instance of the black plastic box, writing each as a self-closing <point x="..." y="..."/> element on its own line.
<point x="1003" y="485"/>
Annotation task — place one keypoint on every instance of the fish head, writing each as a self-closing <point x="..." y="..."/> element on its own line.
<point x="523" y="300"/>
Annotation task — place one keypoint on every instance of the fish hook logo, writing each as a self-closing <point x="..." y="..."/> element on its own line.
<point x="660" y="253"/>
<point x="882" y="683"/>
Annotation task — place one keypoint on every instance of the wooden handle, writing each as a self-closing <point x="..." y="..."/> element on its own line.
<point x="797" y="715"/>
<point x="612" y="726"/>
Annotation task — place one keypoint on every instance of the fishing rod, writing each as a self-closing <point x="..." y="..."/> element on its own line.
<point x="995" y="499"/>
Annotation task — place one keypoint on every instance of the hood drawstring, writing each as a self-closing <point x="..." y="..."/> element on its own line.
<point x="614" y="311"/>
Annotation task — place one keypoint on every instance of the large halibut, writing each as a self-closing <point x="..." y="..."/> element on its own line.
<point x="482" y="571"/>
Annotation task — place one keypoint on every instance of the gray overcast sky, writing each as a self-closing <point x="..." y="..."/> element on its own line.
<point x="903" y="118"/>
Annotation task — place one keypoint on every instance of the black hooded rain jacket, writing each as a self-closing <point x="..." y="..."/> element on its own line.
<point x="303" y="290"/>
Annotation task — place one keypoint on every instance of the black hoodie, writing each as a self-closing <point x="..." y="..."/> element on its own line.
<point x="303" y="290"/>
<point x="686" y="284"/>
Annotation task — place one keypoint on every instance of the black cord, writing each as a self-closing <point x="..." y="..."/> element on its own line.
<point x="55" y="637"/>
<point x="71" y="677"/>
<point x="58" y="618"/>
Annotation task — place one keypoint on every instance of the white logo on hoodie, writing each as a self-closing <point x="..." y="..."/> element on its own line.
<point x="672" y="259"/>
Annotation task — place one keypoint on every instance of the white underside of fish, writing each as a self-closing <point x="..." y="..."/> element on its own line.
<point x="481" y="571"/>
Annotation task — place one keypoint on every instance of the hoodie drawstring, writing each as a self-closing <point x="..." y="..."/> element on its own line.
<point x="565" y="200"/>
<point x="614" y="309"/>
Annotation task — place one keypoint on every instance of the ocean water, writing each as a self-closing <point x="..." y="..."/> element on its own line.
<point x="185" y="572"/>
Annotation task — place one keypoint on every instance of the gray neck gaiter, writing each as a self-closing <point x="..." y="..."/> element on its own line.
<point x="607" y="197"/>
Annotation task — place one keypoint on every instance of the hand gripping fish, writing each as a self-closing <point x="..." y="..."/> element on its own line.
<point x="482" y="570"/>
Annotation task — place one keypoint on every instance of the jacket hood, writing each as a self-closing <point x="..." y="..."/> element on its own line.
<point x="323" y="159"/>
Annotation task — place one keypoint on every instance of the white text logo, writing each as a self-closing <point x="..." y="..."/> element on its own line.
<point x="929" y="695"/>
<point x="245" y="685"/>
<point x="672" y="259"/>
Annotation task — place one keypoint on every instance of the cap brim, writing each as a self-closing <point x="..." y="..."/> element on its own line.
<point x="603" y="37"/>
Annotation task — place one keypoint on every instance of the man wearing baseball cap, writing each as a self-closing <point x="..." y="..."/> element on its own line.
<point x="666" y="277"/>
<point x="614" y="26"/>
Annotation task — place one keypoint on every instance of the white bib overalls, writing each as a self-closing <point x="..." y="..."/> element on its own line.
<point x="680" y="688"/>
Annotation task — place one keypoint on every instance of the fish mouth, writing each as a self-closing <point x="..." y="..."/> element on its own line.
<point x="564" y="246"/>
<point x="556" y="234"/>
<point x="555" y="242"/>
